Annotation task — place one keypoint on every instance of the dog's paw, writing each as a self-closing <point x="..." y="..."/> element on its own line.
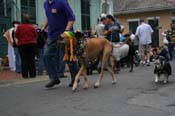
<point x="165" y="81"/>
<point x="114" y="82"/>
<point x="96" y="86"/>
<point x="85" y="86"/>
<point x="74" y="88"/>
<point x="156" y="80"/>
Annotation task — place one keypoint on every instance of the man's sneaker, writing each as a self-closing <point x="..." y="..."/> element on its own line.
<point x="71" y="84"/>
<point x="52" y="83"/>
<point x="148" y="63"/>
<point x="142" y="63"/>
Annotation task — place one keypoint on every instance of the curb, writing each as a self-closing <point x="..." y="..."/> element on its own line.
<point x="6" y="83"/>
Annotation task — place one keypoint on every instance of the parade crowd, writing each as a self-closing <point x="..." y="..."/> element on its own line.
<point x="32" y="49"/>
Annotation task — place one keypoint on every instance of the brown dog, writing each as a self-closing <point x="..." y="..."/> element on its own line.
<point x="95" y="47"/>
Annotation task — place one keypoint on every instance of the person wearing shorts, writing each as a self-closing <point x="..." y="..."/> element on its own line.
<point x="144" y="33"/>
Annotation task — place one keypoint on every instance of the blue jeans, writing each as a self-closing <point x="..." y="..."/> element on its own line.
<point x="55" y="66"/>
<point x="17" y="60"/>
<point x="73" y="67"/>
<point x="63" y="65"/>
<point x="53" y="57"/>
<point x="171" y="48"/>
<point x="41" y="61"/>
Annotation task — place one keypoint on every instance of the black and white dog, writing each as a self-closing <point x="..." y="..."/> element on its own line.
<point x="162" y="68"/>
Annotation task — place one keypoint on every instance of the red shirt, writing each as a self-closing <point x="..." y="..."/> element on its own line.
<point x="25" y="34"/>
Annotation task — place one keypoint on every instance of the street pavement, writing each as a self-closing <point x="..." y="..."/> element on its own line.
<point x="135" y="94"/>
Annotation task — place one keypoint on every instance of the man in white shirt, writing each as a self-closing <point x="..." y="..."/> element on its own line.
<point x="144" y="33"/>
<point x="100" y="27"/>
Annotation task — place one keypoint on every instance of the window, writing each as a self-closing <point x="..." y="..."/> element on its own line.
<point x="9" y="5"/>
<point x="133" y="24"/>
<point x="173" y="20"/>
<point x="154" y="23"/>
<point x="6" y="7"/>
<point x="2" y="8"/>
<point x="29" y="7"/>
<point x="85" y="14"/>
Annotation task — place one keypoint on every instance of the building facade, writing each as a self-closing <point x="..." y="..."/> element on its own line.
<point x="86" y="11"/>
<point x="158" y="13"/>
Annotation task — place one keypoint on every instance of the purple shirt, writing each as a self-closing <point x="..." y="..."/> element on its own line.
<point x="58" y="14"/>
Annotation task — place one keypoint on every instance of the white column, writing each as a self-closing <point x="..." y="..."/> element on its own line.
<point x="5" y="7"/>
<point x="111" y="7"/>
<point x="17" y="12"/>
<point x="110" y="2"/>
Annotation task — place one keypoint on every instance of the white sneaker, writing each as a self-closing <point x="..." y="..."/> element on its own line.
<point x="13" y="69"/>
<point x="148" y="63"/>
<point x="142" y="62"/>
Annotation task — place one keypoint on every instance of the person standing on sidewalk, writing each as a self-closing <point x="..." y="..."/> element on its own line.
<point x="171" y="39"/>
<point x="144" y="33"/>
<point x="41" y="44"/>
<point x="13" y="53"/>
<point x="16" y="50"/>
<point x="26" y="41"/>
<point x="60" y="18"/>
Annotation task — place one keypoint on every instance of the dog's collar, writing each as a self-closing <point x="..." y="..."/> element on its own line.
<point x="69" y="34"/>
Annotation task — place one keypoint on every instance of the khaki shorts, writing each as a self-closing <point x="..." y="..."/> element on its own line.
<point x="144" y="49"/>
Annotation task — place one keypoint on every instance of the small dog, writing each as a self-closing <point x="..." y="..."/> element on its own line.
<point x="162" y="66"/>
<point x="125" y="53"/>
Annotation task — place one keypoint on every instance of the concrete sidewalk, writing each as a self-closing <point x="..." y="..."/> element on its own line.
<point x="9" y="75"/>
<point x="8" y="78"/>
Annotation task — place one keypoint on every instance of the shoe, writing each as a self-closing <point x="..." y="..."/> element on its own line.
<point x="18" y="71"/>
<point x="25" y="77"/>
<point x="33" y="77"/>
<point x="71" y="84"/>
<point x="63" y="76"/>
<point x="13" y="69"/>
<point x="52" y="83"/>
<point x="148" y="63"/>
<point x="142" y="63"/>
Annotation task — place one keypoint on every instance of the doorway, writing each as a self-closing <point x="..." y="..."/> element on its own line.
<point x="154" y="23"/>
<point x="85" y="14"/>
<point x="133" y="26"/>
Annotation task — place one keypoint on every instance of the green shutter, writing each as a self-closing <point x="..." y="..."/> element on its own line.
<point x="4" y="25"/>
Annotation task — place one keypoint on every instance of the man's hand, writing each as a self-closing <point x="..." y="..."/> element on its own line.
<point x="69" y="25"/>
<point x="110" y="31"/>
<point x="44" y="26"/>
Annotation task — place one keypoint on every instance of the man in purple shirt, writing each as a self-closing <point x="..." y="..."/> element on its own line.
<point x="60" y="18"/>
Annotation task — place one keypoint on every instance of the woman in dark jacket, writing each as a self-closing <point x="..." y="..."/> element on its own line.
<point x="26" y="42"/>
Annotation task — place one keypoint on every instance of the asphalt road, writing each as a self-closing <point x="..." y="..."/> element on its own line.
<point x="135" y="94"/>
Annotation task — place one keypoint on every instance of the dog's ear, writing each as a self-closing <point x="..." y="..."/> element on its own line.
<point x="78" y="34"/>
